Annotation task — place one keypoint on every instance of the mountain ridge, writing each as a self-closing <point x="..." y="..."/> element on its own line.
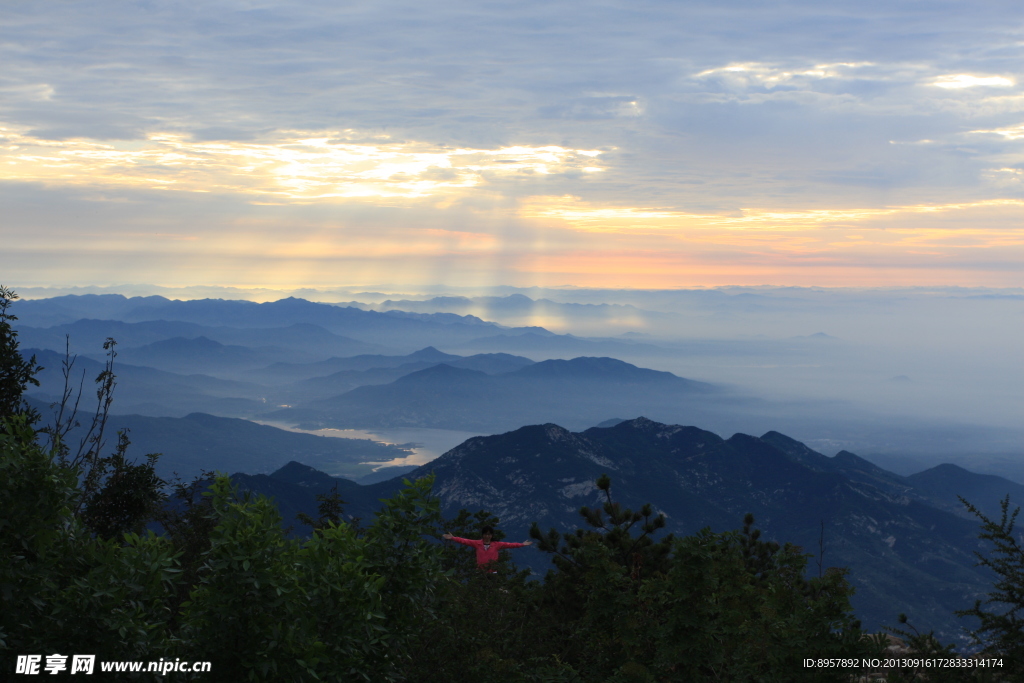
<point x="449" y="397"/>
<point x="905" y="553"/>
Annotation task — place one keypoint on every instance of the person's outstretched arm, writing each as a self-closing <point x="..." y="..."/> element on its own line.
<point x="502" y="544"/>
<point x="463" y="541"/>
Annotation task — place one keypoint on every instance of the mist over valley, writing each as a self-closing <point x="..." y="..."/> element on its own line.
<point x="908" y="377"/>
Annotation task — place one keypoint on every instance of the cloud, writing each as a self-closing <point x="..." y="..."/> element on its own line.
<point x="767" y="76"/>
<point x="289" y="166"/>
<point x="959" y="81"/>
<point x="319" y="118"/>
<point x="1009" y="133"/>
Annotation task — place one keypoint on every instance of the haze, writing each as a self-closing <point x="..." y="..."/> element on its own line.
<point x="908" y="377"/>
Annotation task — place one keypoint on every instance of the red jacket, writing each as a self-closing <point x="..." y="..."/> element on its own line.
<point x="486" y="554"/>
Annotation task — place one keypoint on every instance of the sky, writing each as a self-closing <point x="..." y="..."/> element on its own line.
<point x="597" y="144"/>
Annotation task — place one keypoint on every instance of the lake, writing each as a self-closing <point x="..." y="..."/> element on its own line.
<point x="425" y="444"/>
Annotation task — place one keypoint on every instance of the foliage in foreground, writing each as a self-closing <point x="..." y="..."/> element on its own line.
<point x="1001" y="633"/>
<point x="260" y="606"/>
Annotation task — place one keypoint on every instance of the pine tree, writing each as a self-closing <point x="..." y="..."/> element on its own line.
<point x="1002" y="615"/>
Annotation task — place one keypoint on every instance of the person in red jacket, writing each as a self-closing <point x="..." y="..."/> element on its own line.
<point x="486" y="549"/>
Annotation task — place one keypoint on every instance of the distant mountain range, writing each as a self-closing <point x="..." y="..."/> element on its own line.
<point x="498" y="380"/>
<point x="300" y="326"/>
<point x="907" y="547"/>
<point x="346" y="380"/>
<point x="559" y="345"/>
<point x="149" y="391"/>
<point x="396" y="366"/>
<point x="87" y="336"/>
<point x="486" y="392"/>
<point x="201" y="354"/>
<point x="370" y="327"/>
<point x="577" y="392"/>
<point x="517" y="309"/>
<point x="246" y="359"/>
